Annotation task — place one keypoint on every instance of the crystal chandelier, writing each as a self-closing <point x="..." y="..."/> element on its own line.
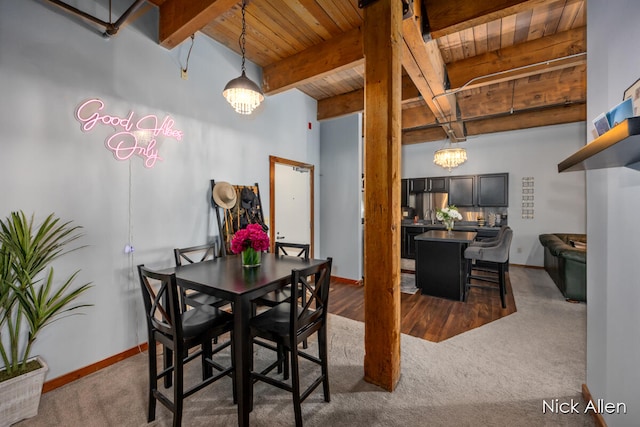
<point x="450" y="157"/>
<point x="243" y="94"/>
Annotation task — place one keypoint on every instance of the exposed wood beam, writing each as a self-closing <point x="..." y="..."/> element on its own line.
<point x="537" y="51"/>
<point x="179" y="19"/>
<point x="417" y="136"/>
<point x="382" y="170"/>
<point x="424" y="63"/>
<point x="544" y="117"/>
<point x="341" y="105"/>
<point x="417" y="117"/>
<point x="563" y="87"/>
<point x="353" y="102"/>
<point x="576" y="112"/>
<point x="338" y="53"/>
<point x="451" y="16"/>
<point x="522" y="73"/>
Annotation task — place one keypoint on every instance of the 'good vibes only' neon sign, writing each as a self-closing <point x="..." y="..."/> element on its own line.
<point x="134" y="136"/>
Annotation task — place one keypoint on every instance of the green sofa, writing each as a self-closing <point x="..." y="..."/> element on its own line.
<point x="565" y="259"/>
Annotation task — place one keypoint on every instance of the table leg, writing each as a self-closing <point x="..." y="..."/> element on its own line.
<point x="243" y="354"/>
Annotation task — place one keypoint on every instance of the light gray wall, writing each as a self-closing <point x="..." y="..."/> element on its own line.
<point x="49" y="63"/>
<point x="340" y="197"/>
<point x="613" y="291"/>
<point x="559" y="199"/>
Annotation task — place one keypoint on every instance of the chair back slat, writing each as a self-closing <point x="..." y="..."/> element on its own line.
<point x="309" y="312"/>
<point x="300" y="250"/>
<point x="195" y="254"/>
<point x="162" y="306"/>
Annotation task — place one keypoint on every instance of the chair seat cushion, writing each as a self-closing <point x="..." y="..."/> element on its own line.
<point x="200" y="319"/>
<point x="491" y="254"/>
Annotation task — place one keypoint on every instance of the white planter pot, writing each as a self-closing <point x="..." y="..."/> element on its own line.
<point x="20" y="396"/>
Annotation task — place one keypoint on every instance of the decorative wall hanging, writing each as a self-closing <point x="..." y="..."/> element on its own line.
<point x="134" y="135"/>
<point x="527" y="197"/>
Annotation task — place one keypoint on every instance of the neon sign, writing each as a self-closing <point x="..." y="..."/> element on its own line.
<point x="134" y="136"/>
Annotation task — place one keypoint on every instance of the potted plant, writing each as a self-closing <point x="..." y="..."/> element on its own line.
<point x="29" y="301"/>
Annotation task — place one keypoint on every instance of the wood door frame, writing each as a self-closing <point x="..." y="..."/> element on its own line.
<point x="272" y="197"/>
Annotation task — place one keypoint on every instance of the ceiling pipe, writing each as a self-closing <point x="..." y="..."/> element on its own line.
<point x="111" y="29"/>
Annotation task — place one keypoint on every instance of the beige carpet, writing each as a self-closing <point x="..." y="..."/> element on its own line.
<point x="496" y="375"/>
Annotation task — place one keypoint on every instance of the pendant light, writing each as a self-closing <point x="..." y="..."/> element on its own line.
<point x="243" y="94"/>
<point x="450" y="157"/>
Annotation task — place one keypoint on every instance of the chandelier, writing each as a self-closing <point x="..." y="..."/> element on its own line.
<point x="450" y="157"/>
<point x="242" y="93"/>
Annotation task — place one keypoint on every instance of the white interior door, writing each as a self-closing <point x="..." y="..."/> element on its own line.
<point x="292" y="204"/>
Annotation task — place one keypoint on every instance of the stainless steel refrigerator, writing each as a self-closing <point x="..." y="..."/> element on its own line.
<point x="428" y="203"/>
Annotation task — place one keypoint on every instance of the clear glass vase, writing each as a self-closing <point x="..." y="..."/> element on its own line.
<point x="448" y="224"/>
<point x="251" y="258"/>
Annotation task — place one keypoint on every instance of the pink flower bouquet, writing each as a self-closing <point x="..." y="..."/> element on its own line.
<point x="250" y="242"/>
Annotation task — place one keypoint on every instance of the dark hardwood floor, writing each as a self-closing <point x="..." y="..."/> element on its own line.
<point x="430" y="318"/>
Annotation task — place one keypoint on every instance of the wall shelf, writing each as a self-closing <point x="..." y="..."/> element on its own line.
<point x="619" y="146"/>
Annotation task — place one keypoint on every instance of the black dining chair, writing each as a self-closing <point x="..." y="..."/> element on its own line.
<point x="496" y="255"/>
<point x="300" y="250"/>
<point x="179" y="331"/>
<point x="192" y="255"/>
<point x="289" y="324"/>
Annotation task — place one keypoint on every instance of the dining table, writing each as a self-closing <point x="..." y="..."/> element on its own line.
<point x="226" y="278"/>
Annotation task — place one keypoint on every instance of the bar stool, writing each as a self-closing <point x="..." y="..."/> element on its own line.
<point x="497" y="254"/>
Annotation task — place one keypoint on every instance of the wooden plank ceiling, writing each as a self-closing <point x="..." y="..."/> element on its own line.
<point x="470" y="67"/>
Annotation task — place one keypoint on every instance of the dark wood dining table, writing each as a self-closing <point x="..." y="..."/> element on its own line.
<point x="226" y="278"/>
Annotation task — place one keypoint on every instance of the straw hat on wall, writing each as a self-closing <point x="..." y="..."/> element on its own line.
<point x="224" y="195"/>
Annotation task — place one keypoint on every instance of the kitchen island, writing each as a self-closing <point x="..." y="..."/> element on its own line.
<point x="440" y="263"/>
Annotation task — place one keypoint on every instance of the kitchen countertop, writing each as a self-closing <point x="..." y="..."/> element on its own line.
<point x="445" y="236"/>
<point x="459" y="225"/>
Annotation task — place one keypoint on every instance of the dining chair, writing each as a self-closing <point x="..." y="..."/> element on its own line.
<point x="192" y="255"/>
<point x="179" y="331"/>
<point x="289" y="324"/>
<point x="496" y="255"/>
<point x="300" y="250"/>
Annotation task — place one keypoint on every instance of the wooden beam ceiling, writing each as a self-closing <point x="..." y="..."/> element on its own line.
<point x="486" y="52"/>
<point x="537" y="51"/>
<point x="451" y="16"/>
<point x="424" y="64"/>
<point x="344" y="51"/>
<point x="179" y="19"/>
<point x="353" y="102"/>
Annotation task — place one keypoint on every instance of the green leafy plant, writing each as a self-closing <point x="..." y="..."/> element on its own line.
<point x="28" y="296"/>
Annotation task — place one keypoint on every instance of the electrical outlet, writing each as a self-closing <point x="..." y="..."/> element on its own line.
<point x="183" y="74"/>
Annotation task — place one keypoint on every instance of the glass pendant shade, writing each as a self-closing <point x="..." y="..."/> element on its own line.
<point x="450" y="157"/>
<point x="243" y="94"/>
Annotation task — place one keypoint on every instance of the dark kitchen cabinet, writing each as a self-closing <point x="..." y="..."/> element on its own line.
<point x="405" y="189"/>
<point x="493" y="189"/>
<point x="410" y="242"/>
<point x="437" y="185"/>
<point x="462" y="190"/>
<point x="418" y="185"/>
